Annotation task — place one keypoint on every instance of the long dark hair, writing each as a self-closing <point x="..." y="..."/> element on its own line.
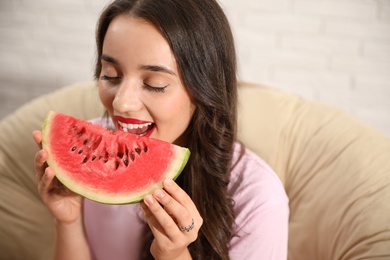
<point x="201" y="40"/>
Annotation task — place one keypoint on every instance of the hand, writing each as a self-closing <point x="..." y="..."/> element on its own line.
<point x="166" y="211"/>
<point x="64" y="204"/>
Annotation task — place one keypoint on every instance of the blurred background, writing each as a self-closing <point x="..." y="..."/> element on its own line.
<point x="336" y="51"/>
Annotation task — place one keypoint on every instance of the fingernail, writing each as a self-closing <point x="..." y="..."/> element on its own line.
<point x="168" y="182"/>
<point x="148" y="200"/>
<point x="160" y="194"/>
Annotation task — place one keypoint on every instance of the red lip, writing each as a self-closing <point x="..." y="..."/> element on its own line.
<point x="130" y="120"/>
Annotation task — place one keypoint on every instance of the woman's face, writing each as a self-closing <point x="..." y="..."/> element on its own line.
<point x="139" y="83"/>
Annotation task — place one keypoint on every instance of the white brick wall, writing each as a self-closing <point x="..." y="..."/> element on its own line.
<point x="337" y="51"/>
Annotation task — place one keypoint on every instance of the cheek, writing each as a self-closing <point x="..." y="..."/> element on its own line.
<point x="106" y="97"/>
<point x="183" y="114"/>
<point x="187" y="112"/>
<point x="172" y="115"/>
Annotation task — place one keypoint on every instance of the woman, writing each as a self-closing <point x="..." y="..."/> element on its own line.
<point x="167" y="69"/>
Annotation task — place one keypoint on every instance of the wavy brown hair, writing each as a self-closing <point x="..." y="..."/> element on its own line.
<point x="201" y="40"/>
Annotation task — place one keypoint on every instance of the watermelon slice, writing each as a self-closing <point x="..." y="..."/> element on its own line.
<point x="106" y="166"/>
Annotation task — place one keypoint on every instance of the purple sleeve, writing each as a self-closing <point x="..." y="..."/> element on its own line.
<point x="262" y="211"/>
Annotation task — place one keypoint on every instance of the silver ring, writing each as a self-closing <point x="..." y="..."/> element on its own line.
<point x="189" y="228"/>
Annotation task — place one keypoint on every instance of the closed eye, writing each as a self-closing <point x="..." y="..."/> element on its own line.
<point x="155" y="89"/>
<point x="146" y="86"/>
<point x="105" y="77"/>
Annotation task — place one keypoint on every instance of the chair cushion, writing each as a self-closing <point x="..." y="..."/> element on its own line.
<point x="336" y="171"/>
<point x="26" y="226"/>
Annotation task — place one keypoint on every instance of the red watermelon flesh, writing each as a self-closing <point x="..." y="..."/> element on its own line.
<point x="107" y="166"/>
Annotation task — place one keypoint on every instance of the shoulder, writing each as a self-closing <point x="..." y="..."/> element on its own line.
<point x="261" y="208"/>
<point x="252" y="177"/>
<point x="257" y="191"/>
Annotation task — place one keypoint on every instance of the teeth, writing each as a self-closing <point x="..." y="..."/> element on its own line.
<point x="127" y="127"/>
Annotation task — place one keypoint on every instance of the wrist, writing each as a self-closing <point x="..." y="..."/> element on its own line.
<point x="71" y="241"/>
<point x="68" y="224"/>
<point x="185" y="255"/>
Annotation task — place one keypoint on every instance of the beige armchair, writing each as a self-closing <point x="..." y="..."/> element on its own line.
<point x="335" y="169"/>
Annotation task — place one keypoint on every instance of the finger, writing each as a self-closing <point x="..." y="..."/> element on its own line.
<point x="189" y="217"/>
<point x="178" y="193"/>
<point x="147" y="213"/>
<point x="157" y="230"/>
<point x="160" y="222"/>
<point x="177" y="211"/>
<point x="45" y="185"/>
<point x="40" y="163"/>
<point x="161" y="239"/>
<point x="37" y="135"/>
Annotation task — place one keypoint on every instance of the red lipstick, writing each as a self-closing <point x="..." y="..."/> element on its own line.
<point x="130" y="120"/>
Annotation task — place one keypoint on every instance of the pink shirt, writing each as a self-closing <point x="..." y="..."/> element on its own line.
<point x="261" y="207"/>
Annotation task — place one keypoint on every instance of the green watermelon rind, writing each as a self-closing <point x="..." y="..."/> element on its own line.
<point x="177" y="166"/>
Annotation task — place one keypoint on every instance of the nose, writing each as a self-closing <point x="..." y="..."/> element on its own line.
<point x="127" y="98"/>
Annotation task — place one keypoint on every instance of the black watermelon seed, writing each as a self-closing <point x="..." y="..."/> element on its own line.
<point x="80" y="151"/>
<point x="138" y="150"/>
<point x="74" y="148"/>
<point x="145" y="149"/>
<point x="126" y="162"/>
<point x="85" y="160"/>
<point x="85" y="141"/>
<point x="120" y="155"/>
<point x="93" y="157"/>
<point x="117" y="165"/>
<point x="132" y="156"/>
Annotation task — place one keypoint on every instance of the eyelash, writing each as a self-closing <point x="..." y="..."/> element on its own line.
<point x="107" y="78"/>
<point x="145" y="86"/>
<point x="155" y="89"/>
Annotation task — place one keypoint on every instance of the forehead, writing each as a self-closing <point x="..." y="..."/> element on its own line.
<point x="133" y="38"/>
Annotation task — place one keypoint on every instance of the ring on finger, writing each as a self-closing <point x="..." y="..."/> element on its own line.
<point x="188" y="228"/>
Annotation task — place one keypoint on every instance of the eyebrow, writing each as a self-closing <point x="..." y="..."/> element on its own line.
<point x="156" y="68"/>
<point x="109" y="59"/>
